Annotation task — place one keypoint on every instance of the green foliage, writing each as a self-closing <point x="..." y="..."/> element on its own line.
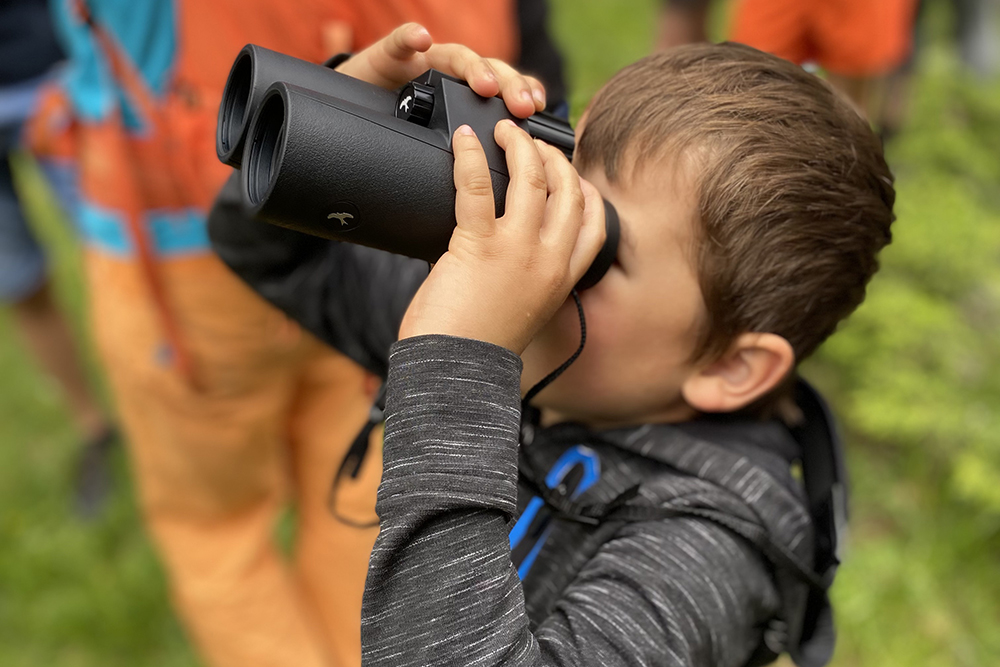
<point x="915" y="375"/>
<point x="918" y="363"/>
<point x="72" y="594"/>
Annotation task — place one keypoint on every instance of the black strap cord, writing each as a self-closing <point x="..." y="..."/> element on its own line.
<point x="779" y="555"/>
<point x="551" y="377"/>
<point x="530" y="415"/>
<point x="355" y="456"/>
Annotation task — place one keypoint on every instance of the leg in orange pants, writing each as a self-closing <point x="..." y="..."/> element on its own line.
<point x="215" y="466"/>
<point x="331" y="557"/>
<point x="858" y="42"/>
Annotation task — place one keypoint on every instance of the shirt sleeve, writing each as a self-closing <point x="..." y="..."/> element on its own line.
<point x="441" y="587"/>
<point x="351" y="297"/>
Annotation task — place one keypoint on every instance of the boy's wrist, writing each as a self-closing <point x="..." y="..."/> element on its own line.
<point x="453" y="325"/>
<point x="443" y="349"/>
<point x="452" y="424"/>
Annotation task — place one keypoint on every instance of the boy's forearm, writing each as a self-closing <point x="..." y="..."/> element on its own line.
<point x="441" y="588"/>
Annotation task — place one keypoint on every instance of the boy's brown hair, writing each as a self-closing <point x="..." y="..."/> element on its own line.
<point x="794" y="196"/>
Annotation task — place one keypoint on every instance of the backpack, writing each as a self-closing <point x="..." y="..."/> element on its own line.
<point x="804" y="625"/>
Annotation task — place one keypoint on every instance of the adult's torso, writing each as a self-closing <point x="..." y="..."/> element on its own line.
<point x="146" y="126"/>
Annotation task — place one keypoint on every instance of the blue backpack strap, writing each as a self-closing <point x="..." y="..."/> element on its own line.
<point x="575" y="471"/>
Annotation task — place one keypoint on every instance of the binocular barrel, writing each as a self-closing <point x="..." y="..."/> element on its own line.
<point x="317" y="164"/>
<point x="332" y="156"/>
<point x="256" y="69"/>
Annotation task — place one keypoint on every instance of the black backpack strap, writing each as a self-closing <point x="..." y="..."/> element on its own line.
<point x="778" y="555"/>
<point x="824" y="477"/>
<point x="620" y="509"/>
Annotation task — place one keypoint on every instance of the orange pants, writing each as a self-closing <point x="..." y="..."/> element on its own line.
<point x="216" y="466"/>
<point x="854" y="38"/>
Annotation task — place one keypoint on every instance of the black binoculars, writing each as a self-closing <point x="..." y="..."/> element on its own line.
<point x="332" y="156"/>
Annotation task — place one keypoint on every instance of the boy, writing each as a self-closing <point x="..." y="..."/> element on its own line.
<point x="657" y="520"/>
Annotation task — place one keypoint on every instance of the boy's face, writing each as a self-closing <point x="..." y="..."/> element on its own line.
<point x="643" y="317"/>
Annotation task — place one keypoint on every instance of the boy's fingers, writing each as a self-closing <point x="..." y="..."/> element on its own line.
<point x="592" y="233"/>
<point x="528" y="187"/>
<point x="574" y="216"/>
<point x="537" y="92"/>
<point x="464" y="63"/>
<point x="521" y="93"/>
<point x="474" y="206"/>
<point x="406" y="40"/>
<point x="565" y="206"/>
<point x="391" y="60"/>
<point x="488" y="77"/>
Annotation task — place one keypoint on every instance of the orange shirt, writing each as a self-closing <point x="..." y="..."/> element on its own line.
<point x="147" y="80"/>
<point x="856" y="38"/>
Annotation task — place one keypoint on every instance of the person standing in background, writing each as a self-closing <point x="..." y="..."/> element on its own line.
<point x="977" y="31"/>
<point x="857" y="42"/>
<point x="976" y="24"/>
<point x="683" y="22"/>
<point x="230" y="410"/>
<point x="28" y="52"/>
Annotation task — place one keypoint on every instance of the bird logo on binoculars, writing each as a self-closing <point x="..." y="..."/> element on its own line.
<point x="347" y="214"/>
<point x="343" y="217"/>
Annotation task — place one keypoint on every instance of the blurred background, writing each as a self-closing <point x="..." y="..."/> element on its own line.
<point x="914" y="377"/>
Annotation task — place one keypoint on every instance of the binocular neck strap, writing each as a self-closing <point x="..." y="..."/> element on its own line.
<point x="550" y="378"/>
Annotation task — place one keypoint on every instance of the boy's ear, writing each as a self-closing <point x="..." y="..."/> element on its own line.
<point x="752" y="366"/>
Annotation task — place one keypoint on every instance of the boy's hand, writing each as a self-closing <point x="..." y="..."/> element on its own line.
<point x="409" y="51"/>
<point x="503" y="279"/>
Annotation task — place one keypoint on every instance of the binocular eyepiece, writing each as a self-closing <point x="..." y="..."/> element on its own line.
<point x="332" y="156"/>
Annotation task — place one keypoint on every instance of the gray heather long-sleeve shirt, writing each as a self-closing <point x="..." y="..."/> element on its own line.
<point x="444" y="586"/>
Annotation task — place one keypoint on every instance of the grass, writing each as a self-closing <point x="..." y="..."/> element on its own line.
<point x="71" y="594"/>
<point x="915" y="376"/>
